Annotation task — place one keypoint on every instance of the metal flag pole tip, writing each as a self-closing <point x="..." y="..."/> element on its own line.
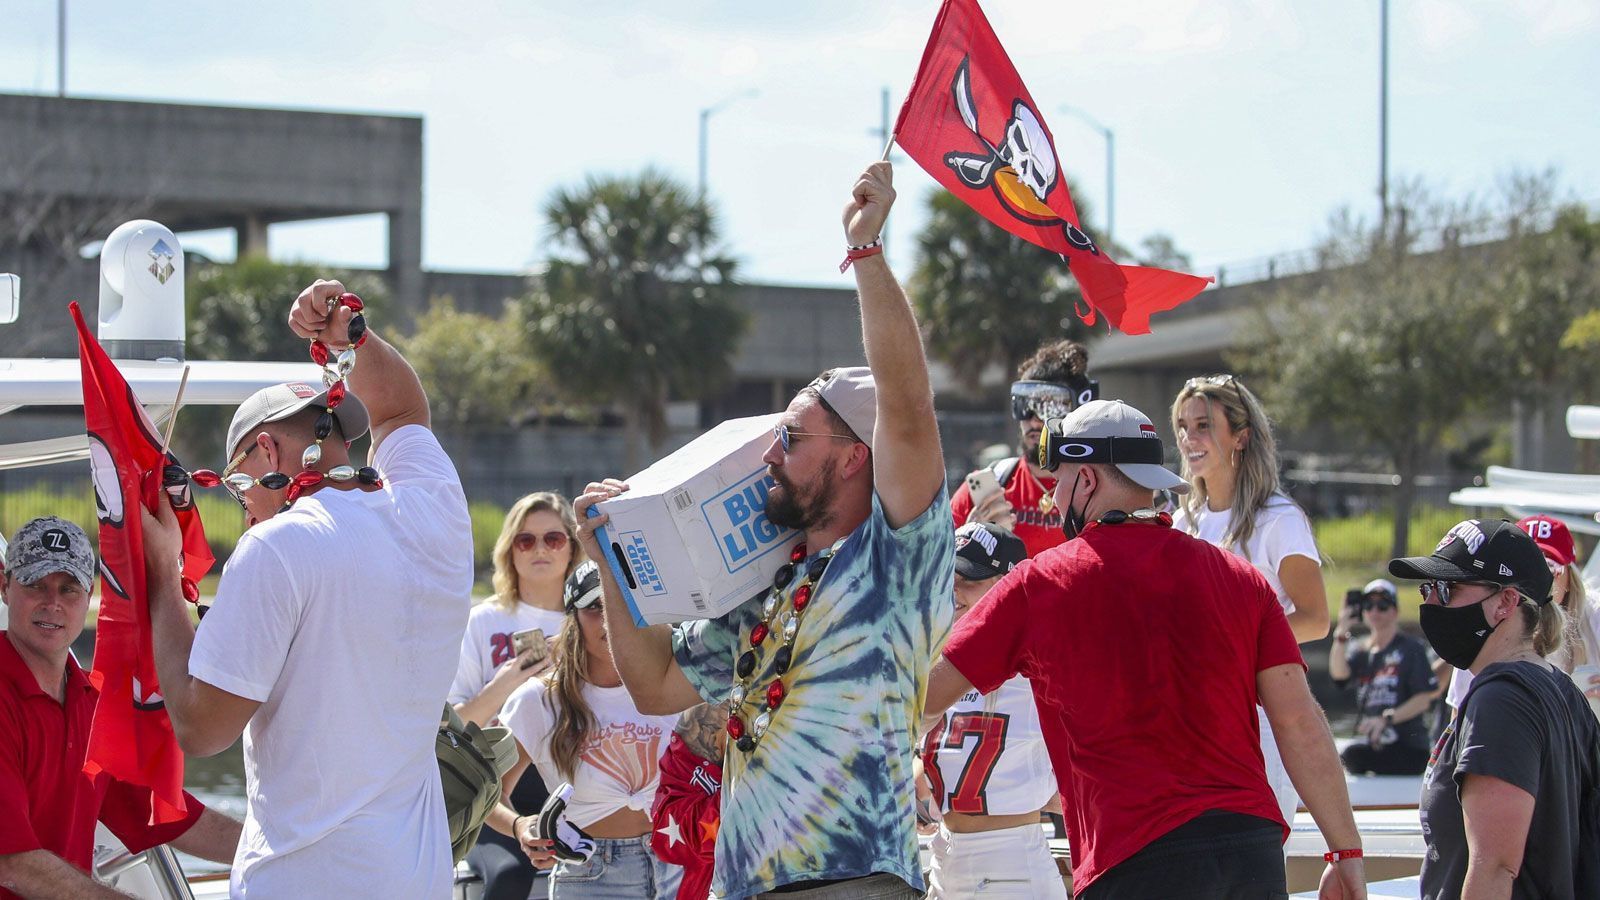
<point x="172" y="419"/>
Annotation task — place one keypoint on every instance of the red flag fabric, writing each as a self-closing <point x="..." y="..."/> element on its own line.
<point x="131" y="737"/>
<point x="971" y="123"/>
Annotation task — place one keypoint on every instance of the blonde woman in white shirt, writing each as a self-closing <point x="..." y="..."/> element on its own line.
<point x="536" y="550"/>
<point x="1230" y="459"/>
<point x="579" y="725"/>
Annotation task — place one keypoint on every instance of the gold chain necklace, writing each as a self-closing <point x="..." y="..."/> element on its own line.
<point x="1047" y="500"/>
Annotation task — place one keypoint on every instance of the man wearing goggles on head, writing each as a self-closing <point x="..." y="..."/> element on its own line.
<point x="1016" y="492"/>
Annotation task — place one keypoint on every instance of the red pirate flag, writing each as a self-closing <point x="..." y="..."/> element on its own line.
<point x="970" y="122"/>
<point x="131" y="738"/>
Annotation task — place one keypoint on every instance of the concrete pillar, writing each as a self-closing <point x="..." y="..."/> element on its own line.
<point x="405" y="264"/>
<point x="251" y="237"/>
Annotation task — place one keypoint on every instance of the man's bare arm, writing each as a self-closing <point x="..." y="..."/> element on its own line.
<point x="385" y="382"/>
<point x="205" y="719"/>
<point x="213" y="836"/>
<point x="946" y="684"/>
<point x="42" y="875"/>
<point x="908" y="463"/>
<point x="643" y="656"/>
<point x="701" y="728"/>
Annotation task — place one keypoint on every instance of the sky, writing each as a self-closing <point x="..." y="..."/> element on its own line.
<point x="1241" y="125"/>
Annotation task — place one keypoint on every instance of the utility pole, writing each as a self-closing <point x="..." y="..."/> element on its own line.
<point x="1383" y="117"/>
<point x="61" y="48"/>
<point x="1111" y="169"/>
<point x="705" y="120"/>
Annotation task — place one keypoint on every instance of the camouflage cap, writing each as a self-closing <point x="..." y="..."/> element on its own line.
<point x="50" y="544"/>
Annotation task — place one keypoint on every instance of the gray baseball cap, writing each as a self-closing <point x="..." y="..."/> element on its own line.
<point x="851" y="392"/>
<point x="280" y="401"/>
<point x="50" y="544"/>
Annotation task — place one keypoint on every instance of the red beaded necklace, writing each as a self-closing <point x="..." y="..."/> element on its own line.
<point x="309" y="477"/>
<point x="747" y="736"/>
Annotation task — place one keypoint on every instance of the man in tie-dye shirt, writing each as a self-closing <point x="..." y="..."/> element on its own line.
<point x="818" y="798"/>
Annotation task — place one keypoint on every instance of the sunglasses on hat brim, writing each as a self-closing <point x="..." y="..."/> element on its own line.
<point x="1056" y="448"/>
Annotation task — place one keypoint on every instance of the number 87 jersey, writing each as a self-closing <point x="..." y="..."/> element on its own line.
<point x="987" y="756"/>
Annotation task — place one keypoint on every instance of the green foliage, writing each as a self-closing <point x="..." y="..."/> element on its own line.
<point x="635" y="306"/>
<point x="240" y="312"/>
<point x="985" y="296"/>
<point x="487" y="520"/>
<point x="1369" y="538"/>
<point x="474" y="368"/>
<point x="222" y="517"/>
<point x="1583" y="333"/>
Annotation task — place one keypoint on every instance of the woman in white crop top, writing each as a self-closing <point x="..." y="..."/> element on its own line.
<point x="578" y="725"/>
<point x="536" y="550"/>
<point x="1230" y="459"/>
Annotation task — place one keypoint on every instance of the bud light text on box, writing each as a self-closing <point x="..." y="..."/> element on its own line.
<point x="637" y="550"/>
<point x="738" y="521"/>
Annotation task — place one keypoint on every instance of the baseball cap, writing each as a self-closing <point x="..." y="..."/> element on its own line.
<point x="1381" y="586"/>
<point x="1110" y="432"/>
<point x="851" y="393"/>
<point x="50" y="544"/>
<point x="280" y="401"/>
<point x="984" y="550"/>
<point x="1497" y="552"/>
<point x="583" y="587"/>
<point x="1552" y="538"/>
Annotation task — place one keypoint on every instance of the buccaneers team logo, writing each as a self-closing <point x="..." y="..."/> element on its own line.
<point x="1021" y="169"/>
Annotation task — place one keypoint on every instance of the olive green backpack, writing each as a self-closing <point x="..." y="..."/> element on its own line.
<point x="472" y="761"/>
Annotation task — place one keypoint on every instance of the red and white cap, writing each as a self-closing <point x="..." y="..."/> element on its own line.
<point x="1552" y="536"/>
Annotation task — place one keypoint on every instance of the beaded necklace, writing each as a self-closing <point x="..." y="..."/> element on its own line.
<point x="335" y="369"/>
<point x="797" y="595"/>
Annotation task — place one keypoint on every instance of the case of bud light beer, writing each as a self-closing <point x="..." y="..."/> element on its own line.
<point x="690" y="539"/>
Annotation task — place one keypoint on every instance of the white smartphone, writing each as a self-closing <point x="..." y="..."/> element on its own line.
<point x="983" y="486"/>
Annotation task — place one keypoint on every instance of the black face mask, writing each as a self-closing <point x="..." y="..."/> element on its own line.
<point x="1072" y="520"/>
<point x="1456" y="633"/>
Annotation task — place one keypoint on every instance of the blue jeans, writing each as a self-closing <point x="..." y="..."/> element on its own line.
<point x="620" y="869"/>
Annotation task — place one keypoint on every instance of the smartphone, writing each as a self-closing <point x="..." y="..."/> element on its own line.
<point x="1353" y="599"/>
<point x="983" y="486"/>
<point x="530" y="640"/>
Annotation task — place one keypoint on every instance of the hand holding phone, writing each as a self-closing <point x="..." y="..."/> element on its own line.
<point x="530" y="646"/>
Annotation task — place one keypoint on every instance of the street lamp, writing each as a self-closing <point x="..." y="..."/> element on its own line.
<point x="705" y="119"/>
<point x="1111" y="168"/>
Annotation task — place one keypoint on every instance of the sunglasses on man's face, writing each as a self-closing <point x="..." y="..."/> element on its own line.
<point x="527" y="540"/>
<point x="786" y="436"/>
<point x="1382" y="605"/>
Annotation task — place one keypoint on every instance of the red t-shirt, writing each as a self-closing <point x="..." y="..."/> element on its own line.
<point x="1039" y="530"/>
<point x="1142" y="644"/>
<point x="48" y="802"/>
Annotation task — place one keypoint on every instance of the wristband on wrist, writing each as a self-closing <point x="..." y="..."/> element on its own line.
<point x="851" y="254"/>
<point x="1334" y="856"/>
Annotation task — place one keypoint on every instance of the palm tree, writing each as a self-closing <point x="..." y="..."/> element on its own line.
<point x="635" y="307"/>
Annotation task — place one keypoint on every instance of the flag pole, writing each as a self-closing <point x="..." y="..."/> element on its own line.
<point x="172" y="420"/>
<point x="887" y="149"/>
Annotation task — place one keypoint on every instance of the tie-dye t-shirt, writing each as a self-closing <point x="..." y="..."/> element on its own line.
<point x="828" y="791"/>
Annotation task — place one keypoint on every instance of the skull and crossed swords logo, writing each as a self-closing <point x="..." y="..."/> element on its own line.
<point x="1022" y="170"/>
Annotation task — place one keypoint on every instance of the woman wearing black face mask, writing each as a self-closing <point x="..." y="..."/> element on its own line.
<point x="1511" y="799"/>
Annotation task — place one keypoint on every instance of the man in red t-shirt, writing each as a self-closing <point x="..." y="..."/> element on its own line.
<point x="1050" y="384"/>
<point x="48" y="805"/>
<point x="1148" y="650"/>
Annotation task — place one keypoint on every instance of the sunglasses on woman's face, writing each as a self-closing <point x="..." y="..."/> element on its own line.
<point x="1442" y="589"/>
<point x="527" y="540"/>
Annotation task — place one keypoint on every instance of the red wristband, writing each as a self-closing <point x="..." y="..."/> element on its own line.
<point x="1334" y="856"/>
<point x="852" y="254"/>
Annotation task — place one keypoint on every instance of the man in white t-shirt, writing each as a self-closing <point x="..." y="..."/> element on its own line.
<point x="986" y="761"/>
<point x="334" y="633"/>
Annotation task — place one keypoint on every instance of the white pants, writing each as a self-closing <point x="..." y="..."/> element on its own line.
<point x="1277" y="775"/>
<point x="1010" y="862"/>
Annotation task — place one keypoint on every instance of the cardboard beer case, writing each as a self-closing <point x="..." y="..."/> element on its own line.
<point x="691" y="539"/>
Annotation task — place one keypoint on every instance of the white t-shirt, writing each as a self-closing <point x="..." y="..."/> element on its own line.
<point x="343" y="616"/>
<point x="487" y="644"/>
<point x="991" y="760"/>
<point x="1282" y="530"/>
<point x="620" y="765"/>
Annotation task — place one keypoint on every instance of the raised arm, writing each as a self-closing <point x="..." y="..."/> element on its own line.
<point x="382" y="378"/>
<point x="908" y="464"/>
<point x="643" y="656"/>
